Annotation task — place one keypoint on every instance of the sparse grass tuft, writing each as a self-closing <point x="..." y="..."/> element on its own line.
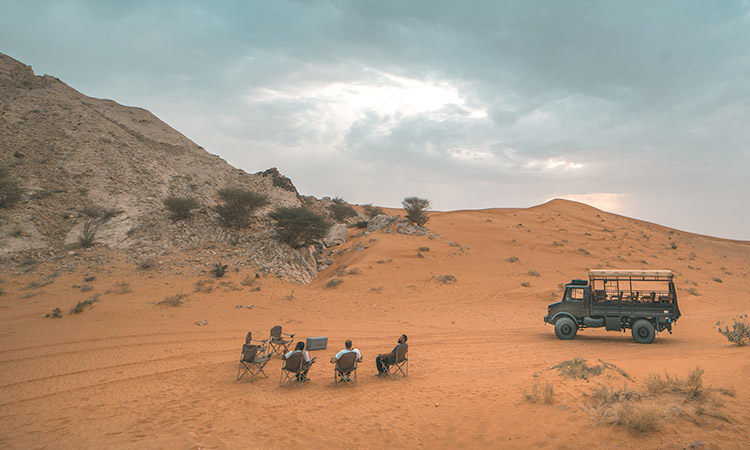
<point x="423" y="249"/>
<point x="219" y="270"/>
<point x="541" y="394"/>
<point x="512" y="259"/>
<point x="717" y="279"/>
<point x="525" y="284"/>
<point x="122" y="287"/>
<point x="205" y="286"/>
<point x="88" y="234"/>
<point x="533" y="273"/>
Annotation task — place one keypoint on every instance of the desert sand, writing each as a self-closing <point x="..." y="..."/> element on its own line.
<point x="130" y="373"/>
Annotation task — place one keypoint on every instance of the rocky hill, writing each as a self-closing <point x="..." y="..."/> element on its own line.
<point x="75" y="157"/>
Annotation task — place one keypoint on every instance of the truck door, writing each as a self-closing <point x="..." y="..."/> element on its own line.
<point x="574" y="300"/>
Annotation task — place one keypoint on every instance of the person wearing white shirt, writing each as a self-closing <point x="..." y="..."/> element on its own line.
<point x="348" y="349"/>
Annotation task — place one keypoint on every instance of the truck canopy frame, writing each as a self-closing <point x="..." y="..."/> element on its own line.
<point x="652" y="286"/>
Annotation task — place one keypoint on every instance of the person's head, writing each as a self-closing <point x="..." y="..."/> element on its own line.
<point x="300" y="346"/>
<point x="348" y="343"/>
<point x="402" y="339"/>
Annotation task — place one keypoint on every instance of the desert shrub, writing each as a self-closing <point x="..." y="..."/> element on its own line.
<point x="173" y="300"/>
<point x="10" y="193"/>
<point x="416" y="210"/>
<point x="717" y="279"/>
<point x="512" y="259"/>
<point x="424" y="249"/>
<point x="88" y="234"/>
<point x="147" y="264"/>
<point x="673" y="246"/>
<point x="87" y="288"/>
<point x="249" y="281"/>
<point x="447" y="279"/>
<point x="354" y="271"/>
<point x="299" y="227"/>
<point x="81" y="306"/>
<point x="180" y="208"/>
<point x="637" y="417"/>
<point x="55" y="314"/>
<point x="333" y="282"/>
<point x="340" y="210"/>
<point x="360" y="224"/>
<point x="533" y="273"/>
<point x="525" y="284"/>
<point x="219" y="270"/>
<point x="237" y="206"/>
<point x="372" y="211"/>
<point x="739" y="334"/>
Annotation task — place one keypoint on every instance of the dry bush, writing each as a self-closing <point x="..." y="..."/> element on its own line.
<point x="525" y="284"/>
<point x="249" y="281"/>
<point x="717" y="279"/>
<point x="372" y="211"/>
<point x="219" y="270"/>
<point x="81" y="306"/>
<point x="446" y="279"/>
<point x="173" y="300"/>
<point x="87" y="288"/>
<point x="423" y="249"/>
<point x="578" y="368"/>
<point x="739" y="334"/>
<point x="354" y="271"/>
<point x="180" y="208"/>
<point x="533" y="273"/>
<point x="512" y="259"/>
<point x="333" y="282"/>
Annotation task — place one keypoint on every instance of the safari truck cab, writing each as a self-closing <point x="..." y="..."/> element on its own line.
<point x="643" y="301"/>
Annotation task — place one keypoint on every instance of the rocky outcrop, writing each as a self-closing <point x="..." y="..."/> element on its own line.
<point x="72" y="154"/>
<point x="379" y="222"/>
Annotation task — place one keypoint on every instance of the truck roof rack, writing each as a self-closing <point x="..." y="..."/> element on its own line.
<point x="643" y="274"/>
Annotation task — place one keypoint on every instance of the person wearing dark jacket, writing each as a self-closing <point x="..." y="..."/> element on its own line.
<point x="386" y="359"/>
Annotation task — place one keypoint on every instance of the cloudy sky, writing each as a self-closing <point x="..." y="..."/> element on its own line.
<point x="637" y="107"/>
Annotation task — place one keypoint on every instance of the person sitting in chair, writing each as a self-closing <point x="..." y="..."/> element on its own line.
<point x="386" y="359"/>
<point x="306" y="361"/>
<point x="348" y="349"/>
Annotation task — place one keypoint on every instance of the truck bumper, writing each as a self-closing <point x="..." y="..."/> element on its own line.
<point x="546" y="319"/>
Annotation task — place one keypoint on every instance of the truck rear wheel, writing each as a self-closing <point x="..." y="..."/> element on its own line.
<point x="565" y="328"/>
<point x="643" y="331"/>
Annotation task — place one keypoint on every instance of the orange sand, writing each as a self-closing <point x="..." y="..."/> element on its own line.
<point x="132" y="374"/>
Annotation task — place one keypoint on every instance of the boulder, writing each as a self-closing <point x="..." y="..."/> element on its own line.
<point x="336" y="235"/>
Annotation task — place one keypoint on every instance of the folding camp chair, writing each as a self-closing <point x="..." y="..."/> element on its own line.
<point x="293" y="370"/>
<point x="262" y="343"/>
<point x="277" y="343"/>
<point x="251" y="362"/>
<point x="401" y="363"/>
<point x="345" y="370"/>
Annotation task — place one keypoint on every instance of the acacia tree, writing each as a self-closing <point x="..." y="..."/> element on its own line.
<point x="238" y="205"/>
<point x="416" y="210"/>
<point x="299" y="227"/>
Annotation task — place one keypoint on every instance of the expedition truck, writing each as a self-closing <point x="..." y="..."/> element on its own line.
<point x="643" y="301"/>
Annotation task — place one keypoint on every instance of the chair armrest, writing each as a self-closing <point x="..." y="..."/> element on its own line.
<point x="290" y="335"/>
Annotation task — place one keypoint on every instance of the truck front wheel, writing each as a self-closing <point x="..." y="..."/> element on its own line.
<point x="643" y="331"/>
<point x="565" y="328"/>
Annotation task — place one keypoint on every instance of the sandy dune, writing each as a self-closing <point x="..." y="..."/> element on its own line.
<point x="129" y="373"/>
